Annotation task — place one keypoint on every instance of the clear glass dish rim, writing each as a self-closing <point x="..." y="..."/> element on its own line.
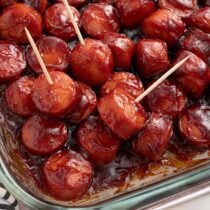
<point x="140" y="198"/>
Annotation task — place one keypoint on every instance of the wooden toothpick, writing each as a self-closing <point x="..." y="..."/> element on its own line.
<point x="161" y="79"/>
<point x="76" y="28"/>
<point x="39" y="58"/>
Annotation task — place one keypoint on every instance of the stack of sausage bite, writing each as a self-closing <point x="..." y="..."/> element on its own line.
<point x="95" y="83"/>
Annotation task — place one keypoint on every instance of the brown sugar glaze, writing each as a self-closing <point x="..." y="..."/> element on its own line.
<point x="119" y="172"/>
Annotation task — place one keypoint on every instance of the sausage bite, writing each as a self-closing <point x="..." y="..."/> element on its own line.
<point x="121" y="114"/>
<point x="165" y="25"/>
<point x="55" y="53"/>
<point x="168" y="98"/>
<point x="152" y="141"/>
<point x="22" y="16"/>
<point x="57" y="99"/>
<point x="13" y="62"/>
<point x="58" y="23"/>
<point x="151" y="57"/>
<point x="67" y="175"/>
<point x="92" y="62"/>
<point x="194" y="125"/>
<point x="19" y="98"/>
<point x="126" y="80"/>
<point x="43" y="136"/>
<point x="99" y="18"/>
<point x="95" y="138"/>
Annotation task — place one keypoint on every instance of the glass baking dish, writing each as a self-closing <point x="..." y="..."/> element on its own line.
<point x="139" y="192"/>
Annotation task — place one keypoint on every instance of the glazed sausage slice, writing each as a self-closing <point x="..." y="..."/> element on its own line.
<point x="99" y="18"/>
<point x="43" y="136"/>
<point x="151" y="57"/>
<point x="165" y="25"/>
<point x="131" y="84"/>
<point x="22" y="16"/>
<point x="5" y="3"/>
<point x="39" y="5"/>
<point x="192" y="75"/>
<point x="152" y="141"/>
<point x="97" y="140"/>
<point x="181" y="8"/>
<point x="197" y="42"/>
<point x="122" y="48"/>
<point x="57" y="22"/>
<point x="168" y="98"/>
<point x="12" y="61"/>
<point x="57" y="99"/>
<point x="18" y="96"/>
<point x="121" y="114"/>
<point x="67" y="175"/>
<point x="194" y="125"/>
<point x="92" y="62"/>
<point x="75" y="3"/>
<point x="133" y="12"/>
<point x="86" y="106"/>
<point x="55" y="53"/>
<point x="200" y="19"/>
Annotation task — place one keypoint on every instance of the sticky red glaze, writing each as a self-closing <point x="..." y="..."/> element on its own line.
<point x="86" y="106"/>
<point x="122" y="48"/>
<point x="152" y="141"/>
<point x="106" y="1"/>
<point x="97" y="141"/>
<point x="67" y="175"/>
<point x="75" y="3"/>
<point x="168" y="98"/>
<point x="181" y="8"/>
<point x="92" y="62"/>
<point x="57" y="22"/>
<point x="165" y="25"/>
<point x="99" y="18"/>
<point x="131" y="84"/>
<point x="133" y="12"/>
<point x="55" y="53"/>
<point x="192" y="75"/>
<point x="5" y="3"/>
<point x="194" y="125"/>
<point x="121" y="114"/>
<point x="13" y="20"/>
<point x="197" y="42"/>
<point x="12" y="61"/>
<point x="18" y="96"/>
<point x="43" y="136"/>
<point x="200" y="19"/>
<point x="57" y="99"/>
<point x="151" y="57"/>
<point x="39" y="5"/>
